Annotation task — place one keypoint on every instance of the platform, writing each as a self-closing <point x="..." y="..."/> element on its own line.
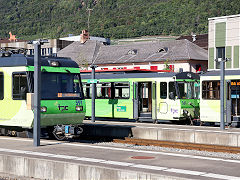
<point x="167" y="132"/>
<point x="55" y="160"/>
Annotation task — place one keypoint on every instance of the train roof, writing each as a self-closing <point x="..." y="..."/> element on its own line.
<point x="218" y="73"/>
<point x="24" y="60"/>
<point x="183" y="75"/>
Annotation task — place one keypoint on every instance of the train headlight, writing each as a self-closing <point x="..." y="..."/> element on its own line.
<point x="54" y="63"/>
<point x="43" y="109"/>
<point x="79" y="108"/>
<point x="185" y="112"/>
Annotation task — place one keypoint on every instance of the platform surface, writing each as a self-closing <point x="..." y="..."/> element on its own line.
<point x="74" y="160"/>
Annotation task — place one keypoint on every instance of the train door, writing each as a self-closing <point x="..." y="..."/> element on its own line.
<point x="135" y="101"/>
<point x="162" y="104"/>
<point x="144" y="100"/>
<point x="234" y="98"/>
<point x="154" y="100"/>
<point x="228" y="103"/>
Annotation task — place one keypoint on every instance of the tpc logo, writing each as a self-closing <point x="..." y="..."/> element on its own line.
<point x="62" y="108"/>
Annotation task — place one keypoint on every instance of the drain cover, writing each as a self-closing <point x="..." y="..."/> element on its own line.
<point x="142" y="157"/>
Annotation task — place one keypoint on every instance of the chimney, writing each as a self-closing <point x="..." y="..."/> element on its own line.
<point x="194" y="37"/>
<point x="84" y="36"/>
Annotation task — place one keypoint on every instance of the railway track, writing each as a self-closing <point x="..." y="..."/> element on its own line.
<point x="179" y="145"/>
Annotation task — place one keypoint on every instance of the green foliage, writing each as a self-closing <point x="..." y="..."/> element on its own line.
<point x="30" y="19"/>
<point x="167" y="67"/>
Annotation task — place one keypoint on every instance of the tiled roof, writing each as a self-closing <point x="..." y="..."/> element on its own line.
<point x="135" y="52"/>
<point x="201" y="40"/>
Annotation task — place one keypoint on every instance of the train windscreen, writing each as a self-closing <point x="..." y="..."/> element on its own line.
<point x="61" y="86"/>
<point x="188" y="90"/>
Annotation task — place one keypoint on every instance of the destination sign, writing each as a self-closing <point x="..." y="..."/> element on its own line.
<point x="234" y="83"/>
<point x="68" y="94"/>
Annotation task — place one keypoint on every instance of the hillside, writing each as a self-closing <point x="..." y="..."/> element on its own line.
<point x="31" y="19"/>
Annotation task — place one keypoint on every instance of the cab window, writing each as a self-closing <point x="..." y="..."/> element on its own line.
<point x="20" y="87"/>
<point x="163" y="90"/>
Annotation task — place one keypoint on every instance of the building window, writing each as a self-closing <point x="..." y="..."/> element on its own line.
<point x="198" y="67"/>
<point x="132" y="52"/>
<point x="50" y="51"/>
<point x="1" y="86"/>
<point x="20" y="87"/>
<point x="219" y="54"/>
<point x="163" y="90"/>
<point x="211" y="89"/>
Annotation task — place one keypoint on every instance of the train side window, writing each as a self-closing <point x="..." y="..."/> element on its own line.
<point x="87" y="90"/>
<point x="1" y="86"/>
<point x="121" y="90"/>
<point x="20" y="87"/>
<point x="163" y="90"/>
<point x="211" y="89"/>
<point x="172" y="90"/>
<point x="104" y="90"/>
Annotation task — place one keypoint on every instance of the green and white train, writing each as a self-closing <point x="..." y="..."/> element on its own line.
<point x="62" y="101"/>
<point x="210" y="97"/>
<point x="141" y="96"/>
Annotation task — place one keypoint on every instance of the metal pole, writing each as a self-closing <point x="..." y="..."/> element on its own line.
<point x="37" y="93"/>
<point x="93" y="93"/>
<point x="222" y="88"/>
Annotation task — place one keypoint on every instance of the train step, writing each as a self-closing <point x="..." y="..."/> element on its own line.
<point x="146" y="115"/>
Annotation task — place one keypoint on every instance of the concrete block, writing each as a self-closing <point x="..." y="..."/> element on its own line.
<point x="176" y="135"/>
<point x="14" y="165"/>
<point x="39" y="168"/>
<point x="1" y="163"/>
<point x="238" y="141"/>
<point x="66" y="171"/>
<point x="207" y="137"/>
<point x="145" y="133"/>
<point x="97" y="173"/>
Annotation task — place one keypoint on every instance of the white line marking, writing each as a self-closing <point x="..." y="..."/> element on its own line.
<point x="149" y="167"/>
<point x="182" y="171"/>
<point x="219" y="176"/>
<point x="141" y="166"/>
<point x="117" y="163"/>
<point x="89" y="159"/>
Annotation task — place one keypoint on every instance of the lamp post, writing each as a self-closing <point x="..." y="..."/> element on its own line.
<point x="93" y="92"/>
<point x="222" y="91"/>
<point x="37" y="91"/>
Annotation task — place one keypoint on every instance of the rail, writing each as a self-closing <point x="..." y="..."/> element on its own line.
<point x="179" y="145"/>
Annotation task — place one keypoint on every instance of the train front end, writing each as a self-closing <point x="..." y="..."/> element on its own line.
<point x="63" y="106"/>
<point x="188" y="91"/>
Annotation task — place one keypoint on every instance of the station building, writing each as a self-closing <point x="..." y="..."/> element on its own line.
<point x="175" y="55"/>
<point x="224" y="41"/>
